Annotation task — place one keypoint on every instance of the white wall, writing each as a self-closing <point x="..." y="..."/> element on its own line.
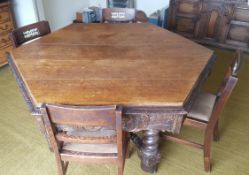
<point x="148" y="6"/>
<point x="25" y="12"/>
<point x="98" y="3"/>
<point x="60" y="13"/>
<point x="40" y="9"/>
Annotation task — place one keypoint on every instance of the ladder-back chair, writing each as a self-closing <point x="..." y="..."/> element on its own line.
<point x="206" y="110"/>
<point x="29" y="32"/>
<point x="85" y="134"/>
<point x="118" y="15"/>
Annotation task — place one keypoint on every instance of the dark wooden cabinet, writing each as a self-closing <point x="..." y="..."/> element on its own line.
<point x="216" y="22"/>
<point x="6" y="26"/>
<point x="184" y="17"/>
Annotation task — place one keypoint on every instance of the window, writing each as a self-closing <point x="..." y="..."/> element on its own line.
<point x="121" y="3"/>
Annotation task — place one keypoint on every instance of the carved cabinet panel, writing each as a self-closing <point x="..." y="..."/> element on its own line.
<point x="6" y="26"/>
<point x="241" y="14"/>
<point x="216" y="22"/>
<point x="238" y="33"/>
<point x="185" y="16"/>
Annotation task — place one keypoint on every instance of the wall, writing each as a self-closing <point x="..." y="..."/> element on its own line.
<point x="40" y="9"/>
<point x="25" y="12"/>
<point x="99" y="3"/>
<point x="60" y="13"/>
<point x="148" y="6"/>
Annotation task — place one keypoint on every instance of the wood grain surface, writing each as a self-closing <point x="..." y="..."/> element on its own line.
<point x="103" y="64"/>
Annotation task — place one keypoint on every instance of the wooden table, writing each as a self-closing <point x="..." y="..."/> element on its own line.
<point x="150" y="71"/>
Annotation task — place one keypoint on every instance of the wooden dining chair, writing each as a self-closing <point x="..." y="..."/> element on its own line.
<point x="206" y="110"/>
<point x="118" y="15"/>
<point x="85" y="134"/>
<point x="29" y="32"/>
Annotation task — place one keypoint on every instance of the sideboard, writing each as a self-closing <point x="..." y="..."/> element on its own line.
<point x="6" y="26"/>
<point x="223" y="23"/>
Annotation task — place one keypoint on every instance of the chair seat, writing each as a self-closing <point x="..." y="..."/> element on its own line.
<point x="202" y="107"/>
<point x="90" y="148"/>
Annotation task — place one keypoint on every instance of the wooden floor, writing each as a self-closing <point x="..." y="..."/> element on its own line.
<point x="23" y="150"/>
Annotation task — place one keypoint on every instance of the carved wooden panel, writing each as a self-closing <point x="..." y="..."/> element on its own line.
<point x="185" y="25"/>
<point x="215" y="22"/>
<point x="241" y="14"/>
<point x="189" y="7"/>
<point x="185" y="16"/>
<point x="214" y="15"/>
<point x="238" y="33"/>
<point x="6" y="26"/>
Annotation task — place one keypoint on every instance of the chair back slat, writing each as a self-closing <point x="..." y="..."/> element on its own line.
<point x="100" y="116"/>
<point x="118" y="15"/>
<point x="64" y="137"/>
<point x="27" y="33"/>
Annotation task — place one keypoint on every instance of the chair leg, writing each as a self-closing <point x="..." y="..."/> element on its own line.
<point x="207" y="164"/>
<point x="128" y="148"/>
<point x="65" y="165"/>
<point x="120" y="168"/>
<point x="128" y="152"/>
<point x="60" y="167"/>
<point x="216" y="132"/>
<point x="207" y="152"/>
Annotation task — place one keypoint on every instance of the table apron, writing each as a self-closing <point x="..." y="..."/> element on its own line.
<point x="162" y="121"/>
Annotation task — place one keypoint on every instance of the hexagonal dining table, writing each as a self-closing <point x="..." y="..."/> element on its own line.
<point x="152" y="73"/>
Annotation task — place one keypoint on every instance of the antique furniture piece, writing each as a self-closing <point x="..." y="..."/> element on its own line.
<point x="29" y="32"/>
<point x="118" y="15"/>
<point x="6" y="26"/>
<point x="206" y="110"/>
<point x="120" y="3"/>
<point x="140" y="67"/>
<point x="215" y="22"/>
<point x="140" y="17"/>
<point x="90" y="134"/>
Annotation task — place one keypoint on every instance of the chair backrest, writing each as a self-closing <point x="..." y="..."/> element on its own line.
<point x="226" y="88"/>
<point x="29" y="32"/>
<point x="81" y="118"/>
<point x="232" y="71"/>
<point x="141" y="17"/>
<point x="118" y="15"/>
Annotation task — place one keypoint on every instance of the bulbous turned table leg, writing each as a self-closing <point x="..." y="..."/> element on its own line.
<point x="149" y="153"/>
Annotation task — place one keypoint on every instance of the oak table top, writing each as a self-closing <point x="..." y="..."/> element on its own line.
<point x="101" y="64"/>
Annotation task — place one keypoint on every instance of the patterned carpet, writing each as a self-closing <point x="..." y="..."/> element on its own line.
<point x="23" y="150"/>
